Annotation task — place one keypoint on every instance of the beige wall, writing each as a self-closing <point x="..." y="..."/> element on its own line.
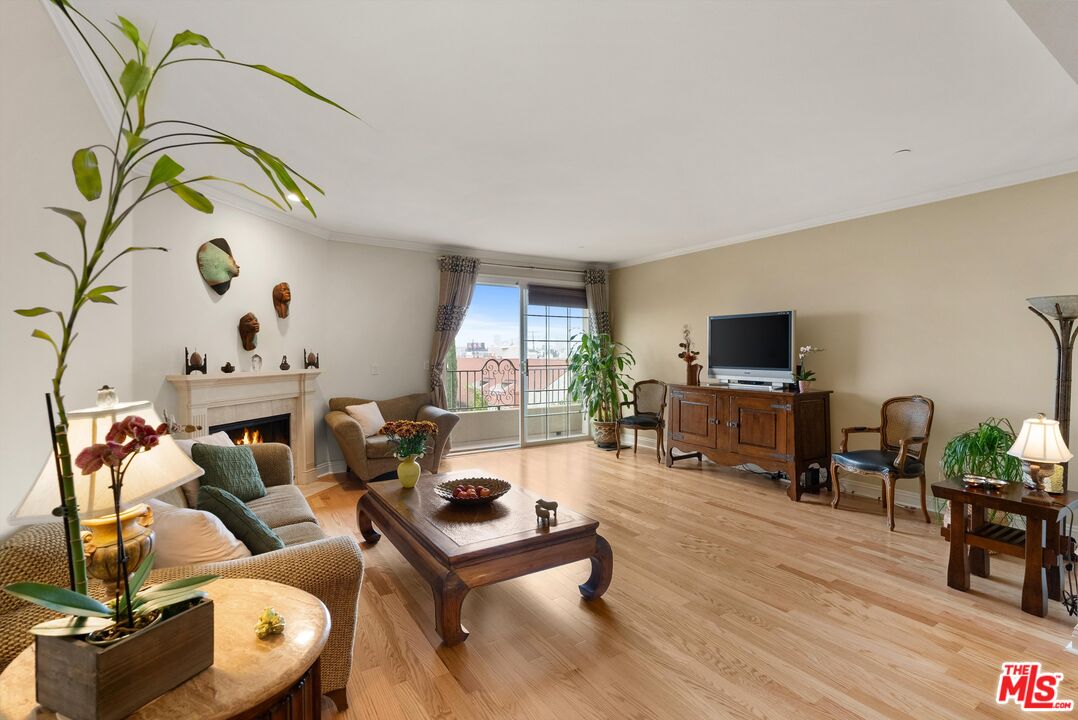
<point x="926" y="300"/>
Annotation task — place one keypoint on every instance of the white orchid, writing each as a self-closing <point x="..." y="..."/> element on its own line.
<point x="807" y="350"/>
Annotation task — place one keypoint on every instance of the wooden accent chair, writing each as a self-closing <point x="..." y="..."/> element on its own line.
<point x="649" y="408"/>
<point x="905" y="424"/>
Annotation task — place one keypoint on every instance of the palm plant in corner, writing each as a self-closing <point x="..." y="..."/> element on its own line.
<point x="122" y="173"/>
<point x="596" y="371"/>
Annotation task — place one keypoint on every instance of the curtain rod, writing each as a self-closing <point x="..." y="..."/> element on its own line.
<point x="529" y="267"/>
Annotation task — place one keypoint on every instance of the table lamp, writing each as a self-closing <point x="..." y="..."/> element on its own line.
<point x="164" y="468"/>
<point x="1041" y="445"/>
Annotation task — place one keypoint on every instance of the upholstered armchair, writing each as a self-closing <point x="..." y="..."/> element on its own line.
<point x="905" y="424"/>
<point x="370" y="457"/>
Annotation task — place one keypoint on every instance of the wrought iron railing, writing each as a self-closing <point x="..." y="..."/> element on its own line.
<point x="497" y="384"/>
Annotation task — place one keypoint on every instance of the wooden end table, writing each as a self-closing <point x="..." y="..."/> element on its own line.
<point x="1040" y="544"/>
<point x="456" y="548"/>
<point x="249" y="678"/>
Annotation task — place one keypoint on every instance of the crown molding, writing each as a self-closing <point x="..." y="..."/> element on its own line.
<point x="1020" y="177"/>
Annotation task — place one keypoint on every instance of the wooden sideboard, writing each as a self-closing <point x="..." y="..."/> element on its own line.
<point x="778" y="431"/>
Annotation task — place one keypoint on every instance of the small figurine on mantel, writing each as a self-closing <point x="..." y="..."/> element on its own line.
<point x="193" y="362"/>
<point x="310" y="359"/>
<point x="228" y="368"/>
<point x="692" y="369"/>
<point x="284" y="363"/>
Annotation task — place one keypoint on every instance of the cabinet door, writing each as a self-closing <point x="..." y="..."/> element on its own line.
<point x="694" y="417"/>
<point x="757" y="426"/>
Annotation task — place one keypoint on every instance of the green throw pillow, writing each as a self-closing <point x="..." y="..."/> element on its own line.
<point x="230" y="468"/>
<point x="238" y="518"/>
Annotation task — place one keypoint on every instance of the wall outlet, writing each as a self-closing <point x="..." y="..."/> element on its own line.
<point x="376" y="369"/>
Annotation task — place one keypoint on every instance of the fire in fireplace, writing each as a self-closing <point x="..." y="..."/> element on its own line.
<point x="276" y="428"/>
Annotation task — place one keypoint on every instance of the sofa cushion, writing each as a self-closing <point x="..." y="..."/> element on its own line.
<point x="380" y="447"/>
<point x="230" y="468"/>
<point x="282" y="505"/>
<point x="190" y="489"/>
<point x="299" y="533"/>
<point x="238" y="518"/>
<point x="185" y="536"/>
<point x="368" y="416"/>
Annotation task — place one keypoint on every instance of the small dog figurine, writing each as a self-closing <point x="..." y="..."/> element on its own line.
<point x="543" y="508"/>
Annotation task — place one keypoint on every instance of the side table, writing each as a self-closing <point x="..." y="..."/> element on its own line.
<point x="249" y="678"/>
<point x="1040" y="544"/>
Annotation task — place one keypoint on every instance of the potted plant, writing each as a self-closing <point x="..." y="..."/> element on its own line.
<point x="99" y="677"/>
<point x="136" y="167"/>
<point x="805" y="377"/>
<point x="982" y="451"/>
<point x="411" y="439"/>
<point x="596" y="379"/>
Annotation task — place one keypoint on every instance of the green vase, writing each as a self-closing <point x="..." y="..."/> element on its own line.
<point x="408" y="471"/>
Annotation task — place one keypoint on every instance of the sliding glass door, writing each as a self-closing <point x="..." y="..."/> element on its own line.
<point x="551" y="317"/>
<point x="506" y="375"/>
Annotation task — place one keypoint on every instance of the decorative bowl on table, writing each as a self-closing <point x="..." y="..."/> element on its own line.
<point x="986" y="483"/>
<point x="456" y="491"/>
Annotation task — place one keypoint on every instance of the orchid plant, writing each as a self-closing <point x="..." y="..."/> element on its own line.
<point x="125" y="441"/>
<point x="803" y="373"/>
<point x="137" y="167"/>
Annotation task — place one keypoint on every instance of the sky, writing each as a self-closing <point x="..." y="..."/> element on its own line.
<point x="493" y="315"/>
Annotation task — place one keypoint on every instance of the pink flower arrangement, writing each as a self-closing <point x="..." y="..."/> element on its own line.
<point x="114" y="451"/>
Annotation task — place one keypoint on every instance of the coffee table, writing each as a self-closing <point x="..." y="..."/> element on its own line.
<point x="456" y="548"/>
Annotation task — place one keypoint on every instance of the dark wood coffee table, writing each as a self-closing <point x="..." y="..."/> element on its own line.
<point x="458" y="548"/>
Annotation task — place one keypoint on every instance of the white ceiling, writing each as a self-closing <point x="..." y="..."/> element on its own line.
<point x="619" y="130"/>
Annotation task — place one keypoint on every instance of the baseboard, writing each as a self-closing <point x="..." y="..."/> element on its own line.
<point x="850" y="485"/>
<point x="330" y="467"/>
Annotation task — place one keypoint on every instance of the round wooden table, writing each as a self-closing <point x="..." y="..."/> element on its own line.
<point x="249" y="677"/>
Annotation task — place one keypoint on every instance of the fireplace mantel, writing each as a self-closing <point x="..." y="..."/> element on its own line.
<point x="218" y="399"/>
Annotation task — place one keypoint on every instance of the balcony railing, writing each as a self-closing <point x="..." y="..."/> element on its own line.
<point x="497" y="384"/>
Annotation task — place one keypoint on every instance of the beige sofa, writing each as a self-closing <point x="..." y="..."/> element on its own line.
<point x="370" y="457"/>
<point x="331" y="568"/>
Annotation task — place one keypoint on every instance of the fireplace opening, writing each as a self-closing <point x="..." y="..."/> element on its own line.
<point x="276" y="428"/>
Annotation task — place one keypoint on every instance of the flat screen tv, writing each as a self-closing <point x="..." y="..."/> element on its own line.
<point x="753" y="347"/>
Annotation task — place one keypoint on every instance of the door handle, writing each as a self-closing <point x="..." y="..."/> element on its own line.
<point x="732" y="424"/>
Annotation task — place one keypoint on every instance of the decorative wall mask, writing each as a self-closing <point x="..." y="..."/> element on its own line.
<point x="282" y="296"/>
<point x="217" y="265"/>
<point x="256" y="362"/>
<point x="310" y="359"/>
<point x="249" y="328"/>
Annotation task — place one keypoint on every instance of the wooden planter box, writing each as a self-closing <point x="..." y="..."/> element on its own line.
<point x="83" y="681"/>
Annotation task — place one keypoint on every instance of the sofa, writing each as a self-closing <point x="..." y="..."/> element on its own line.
<point x="369" y="458"/>
<point x="330" y="568"/>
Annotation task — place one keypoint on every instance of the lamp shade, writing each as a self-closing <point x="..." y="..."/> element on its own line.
<point x="150" y="473"/>
<point x="1040" y="441"/>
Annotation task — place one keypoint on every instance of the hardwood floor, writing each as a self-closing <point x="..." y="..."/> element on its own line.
<point x="728" y="600"/>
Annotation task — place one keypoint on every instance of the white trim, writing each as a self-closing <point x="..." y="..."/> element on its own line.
<point x="330" y="467"/>
<point x="1018" y="177"/>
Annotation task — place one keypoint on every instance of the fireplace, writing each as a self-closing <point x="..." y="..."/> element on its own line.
<point x="275" y="428"/>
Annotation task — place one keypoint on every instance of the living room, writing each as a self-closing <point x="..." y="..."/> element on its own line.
<point x="518" y="212"/>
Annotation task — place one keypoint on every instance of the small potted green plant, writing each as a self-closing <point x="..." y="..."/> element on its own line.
<point x="982" y="451"/>
<point x="597" y="366"/>
<point x="805" y="377"/>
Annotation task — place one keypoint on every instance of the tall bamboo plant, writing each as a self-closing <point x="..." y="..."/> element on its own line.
<point x="137" y="167"/>
<point x="597" y="368"/>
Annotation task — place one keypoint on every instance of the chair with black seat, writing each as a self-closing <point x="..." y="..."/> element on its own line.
<point x="905" y="424"/>
<point x="649" y="406"/>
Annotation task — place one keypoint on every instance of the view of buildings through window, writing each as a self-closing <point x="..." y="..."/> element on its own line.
<point x="484" y="371"/>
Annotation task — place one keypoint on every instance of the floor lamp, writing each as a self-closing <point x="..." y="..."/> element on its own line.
<point x="1064" y="310"/>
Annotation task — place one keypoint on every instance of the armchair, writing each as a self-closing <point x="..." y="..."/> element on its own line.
<point x="370" y="457"/>
<point x="649" y="407"/>
<point x="905" y="425"/>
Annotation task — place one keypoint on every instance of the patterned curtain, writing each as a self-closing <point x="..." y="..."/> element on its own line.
<point x="458" y="276"/>
<point x="598" y="299"/>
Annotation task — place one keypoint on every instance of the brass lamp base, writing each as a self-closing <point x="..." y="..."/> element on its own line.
<point x="101" y="543"/>
<point x="1047" y="477"/>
